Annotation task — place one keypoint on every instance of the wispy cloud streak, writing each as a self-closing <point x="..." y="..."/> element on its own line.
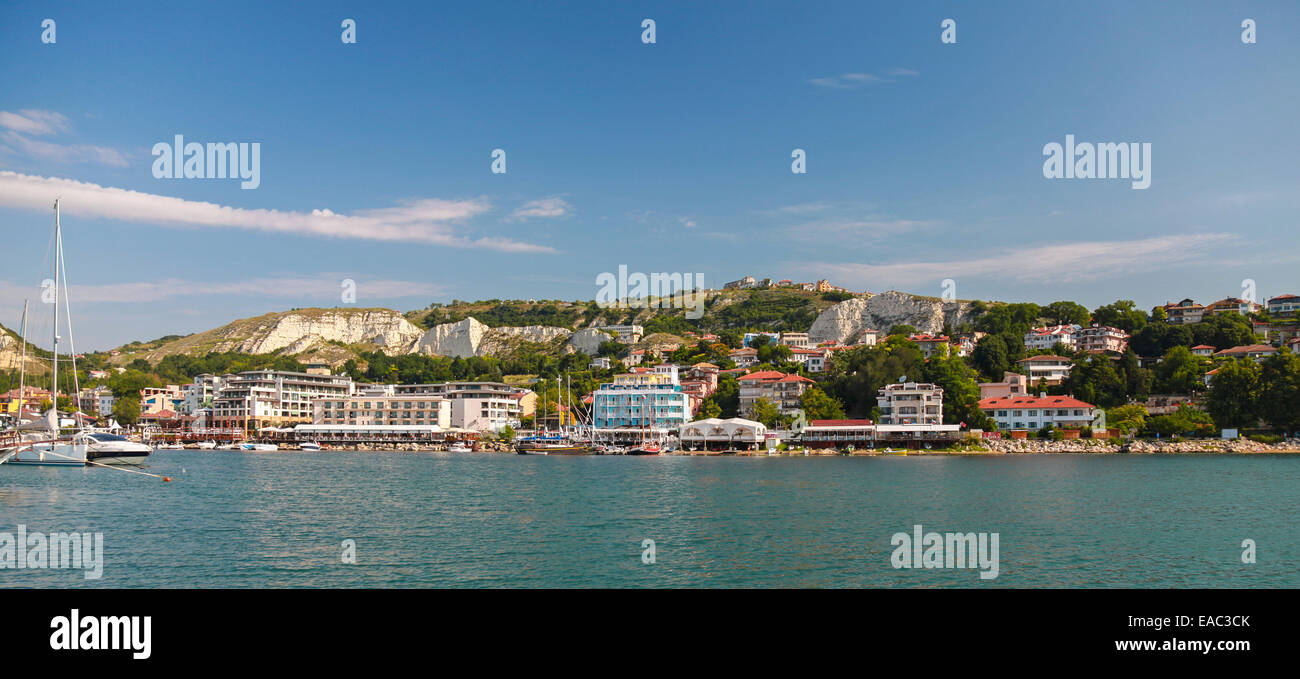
<point x="429" y="221"/>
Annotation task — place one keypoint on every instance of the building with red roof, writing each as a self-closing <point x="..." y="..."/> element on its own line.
<point x="1036" y="412"/>
<point x="781" y="389"/>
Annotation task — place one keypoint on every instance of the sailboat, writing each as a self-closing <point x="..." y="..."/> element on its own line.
<point x="646" y="447"/>
<point x="39" y="442"/>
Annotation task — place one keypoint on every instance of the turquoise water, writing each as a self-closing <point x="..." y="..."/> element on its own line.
<point x="233" y="519"/>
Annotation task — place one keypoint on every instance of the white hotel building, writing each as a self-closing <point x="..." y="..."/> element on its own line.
<point x="910" y="403"/>
<point x="273" y="397"/>
<point x="481" y="406"/>
<point x="642" y="401"/>
<point x="380" y="406"/>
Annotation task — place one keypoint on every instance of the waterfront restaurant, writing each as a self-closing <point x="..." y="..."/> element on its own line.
<point x="374" y="433"/>
<point x="716" y="434"/>
<point x="839" y="434"/>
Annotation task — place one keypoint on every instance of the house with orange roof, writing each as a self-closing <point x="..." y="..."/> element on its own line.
<point x="1036" y="412"/>
<point x="781" y="389"/>
<point x="1258" y="352"/>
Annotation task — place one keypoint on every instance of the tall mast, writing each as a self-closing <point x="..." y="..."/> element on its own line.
<point x="58" y="259"/>
<point x="22" y="369"/>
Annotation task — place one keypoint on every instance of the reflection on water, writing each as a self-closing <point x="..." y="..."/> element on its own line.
<point x="234" y="519"/>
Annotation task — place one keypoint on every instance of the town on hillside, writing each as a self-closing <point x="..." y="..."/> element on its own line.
<point x="1021" y="371"/>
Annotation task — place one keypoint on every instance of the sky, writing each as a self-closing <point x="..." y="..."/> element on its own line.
<point x="924" y="159"/>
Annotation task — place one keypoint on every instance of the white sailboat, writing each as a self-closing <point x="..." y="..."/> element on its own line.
<point x="39" y="442"/>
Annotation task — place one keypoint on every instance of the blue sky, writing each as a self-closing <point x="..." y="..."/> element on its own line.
<point x="924" y="159"/>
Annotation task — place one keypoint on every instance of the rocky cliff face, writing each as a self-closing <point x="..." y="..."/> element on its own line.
<point x="846" y="320"/>
<point x="10" y="355"/>
<point x="469" y="337"/>
<point x="297" y="331"/>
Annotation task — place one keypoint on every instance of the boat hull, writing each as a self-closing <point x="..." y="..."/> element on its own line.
<point x="50" y="455"/>
<point x="565" y="450"/>
<point x="118" y="452"/>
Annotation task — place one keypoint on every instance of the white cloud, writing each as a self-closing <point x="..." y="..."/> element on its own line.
<point x="32" y="121"/>
<point x="322" y="287"/>
<point x="545" y="207"/>
<point x="850" y="228"/>
<point x="1056" y="263"/>
<point x="429" y="221"/>
<point x="19" y="126"/>
<point x="846" y="81"/>
<point x="64" y="153"/>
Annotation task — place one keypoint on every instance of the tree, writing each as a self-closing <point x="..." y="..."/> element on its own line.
<point x="708" y="408"/>
<point x="990" y="356"/>
<point x="126" y="410"/>
<point x="902" y="329"/>
<point x="961" y="391"/>
<point x="1137" y="380"/>
<point x="1066" y="313"/>
<point x="1094" y="379"/>
<point x="1279" y="398"/>
<point x="766" y="412"/>
<point x="1181" y="372"/>
<point x="1185" y="420"/>
<point x="507" y="433"/>
<point x="727" y="396"/>
<point x="1233" y="399"/>
<point x="817" y="405"/>
<point x="1012" y="319"/>
<point x="1127" y="418"/>
<point x="1122" y="314"/>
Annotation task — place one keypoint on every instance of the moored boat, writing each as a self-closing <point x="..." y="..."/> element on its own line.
<point x="113" y="449"/>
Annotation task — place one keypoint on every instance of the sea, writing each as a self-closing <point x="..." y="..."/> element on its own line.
<point x="230" y="519"/>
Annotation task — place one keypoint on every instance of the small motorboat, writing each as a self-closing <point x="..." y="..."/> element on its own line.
<point x="206" y="445"/>
<point x="459" y="448"/>
<point x="309" y="445"/>
<point x="259" y="447"/>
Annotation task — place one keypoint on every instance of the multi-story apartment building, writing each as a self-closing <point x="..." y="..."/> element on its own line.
<point x="1184" y="312"/>
<point x="481" y="406"/>
<point x="1036" y="412"/>
<point x="627" y="334"/>
<point x="154" y="400"/>
<point x="743" y="358"/>
<point x="273" y="397"/>
<point x="1046" y="368"/>
<point x="199" y="393"/>
<point x="382" y="407"/>
<point x="653" y="400"/>
<point x="1012" y="384"/>
<point x="1043" y="339"/>
<point x="1233" y="305"/>
<point x="795" y="340"/>
<point x="778" y="388"/>
<point x="931" y="345"/>
<point x="106" y="401"/>
<point x="813" y="360"/>
<point x="910" y="403"/>
<point x="1284" y="305"/>
<point x="1101" y="338"/>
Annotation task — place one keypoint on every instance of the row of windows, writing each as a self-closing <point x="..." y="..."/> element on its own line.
<point x="1046" y="413"/>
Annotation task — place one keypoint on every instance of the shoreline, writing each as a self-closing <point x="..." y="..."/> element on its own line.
<point x="1055" y="448"/>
